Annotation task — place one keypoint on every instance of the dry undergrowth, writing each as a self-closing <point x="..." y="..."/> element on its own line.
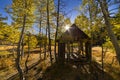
<point x="111" y="65"/>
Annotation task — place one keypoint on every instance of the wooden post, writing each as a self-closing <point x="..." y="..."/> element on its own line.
<point x="68" y="56"/>
<point x="61" y="53"/>
<point x="72" y="49"/>
<point x="88" y="51"/>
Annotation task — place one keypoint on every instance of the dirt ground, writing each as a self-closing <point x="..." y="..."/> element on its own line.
<point x="71" y="71"/>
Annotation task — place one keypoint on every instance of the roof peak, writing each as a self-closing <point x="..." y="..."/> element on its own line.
<point x="74" y="25"/>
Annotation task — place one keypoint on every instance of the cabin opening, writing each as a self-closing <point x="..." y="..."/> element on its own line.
<point x="74" y="45"/>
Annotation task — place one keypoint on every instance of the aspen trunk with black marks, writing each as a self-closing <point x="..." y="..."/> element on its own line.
<point x="19" y="69"/>
<point x="27" y="54"/>
<point x="48" y="25"/>
<point x="13" y="49"/>
<point x="40" y="40"/>
<point x="102" y="59"/>
<point x="45" y="45"/>
<point x="104" y="8"/>
<point x="44" y="51"/>
<point x="22" y="48"/>
<point x="57" y="29"/>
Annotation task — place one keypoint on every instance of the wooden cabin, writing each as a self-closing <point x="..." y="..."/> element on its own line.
<point x="72" y="40"/>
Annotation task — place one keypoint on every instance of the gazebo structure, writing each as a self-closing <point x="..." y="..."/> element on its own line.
<point x="74" y="43"/>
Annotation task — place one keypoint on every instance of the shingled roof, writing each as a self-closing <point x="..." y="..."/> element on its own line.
<point x="73" y="34"/>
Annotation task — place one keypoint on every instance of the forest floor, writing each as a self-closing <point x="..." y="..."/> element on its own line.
<point x="71" y="71"/>
<point x="11" y="70"/>
<point x="86" y="71"/>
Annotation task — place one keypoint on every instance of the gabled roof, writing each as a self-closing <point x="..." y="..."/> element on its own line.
<point x="73" y="34"/>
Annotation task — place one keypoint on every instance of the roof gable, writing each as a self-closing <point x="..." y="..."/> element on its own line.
<point x="73" y="34"/>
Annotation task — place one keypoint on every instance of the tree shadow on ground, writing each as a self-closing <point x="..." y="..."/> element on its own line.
<point x="76" y="71"/>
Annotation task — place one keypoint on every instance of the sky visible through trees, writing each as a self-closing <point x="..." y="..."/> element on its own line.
<point x="70" y="8"/>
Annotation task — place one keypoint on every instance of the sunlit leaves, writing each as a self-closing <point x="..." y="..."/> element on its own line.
<point x="83" y="23"/>
<point x="21" y="8"/>
<point x="33" y="41"/>
<point x="67" y="21"/>
<point x="116" y="23"/>
<point x="9" y="34"/>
